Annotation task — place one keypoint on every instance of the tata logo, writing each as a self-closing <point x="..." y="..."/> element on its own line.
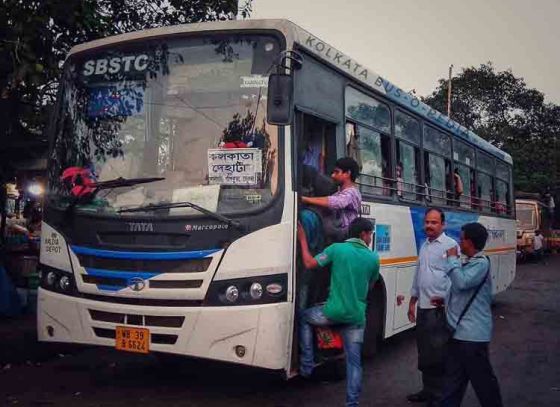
<point x="140" y="227"/>
<point x="137" y="284"/>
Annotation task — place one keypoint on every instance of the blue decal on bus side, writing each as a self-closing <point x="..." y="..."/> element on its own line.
<point x="453" y="223"/>
<point x="383" y="238"/>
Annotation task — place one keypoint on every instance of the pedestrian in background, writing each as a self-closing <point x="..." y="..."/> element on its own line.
<point x="429" y="290"/>
<point x="470" y="319"/>
<point x="538" y="246"/>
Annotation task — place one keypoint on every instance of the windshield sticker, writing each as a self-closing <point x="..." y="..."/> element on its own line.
<point x="203" y="195"/>
<point x="240" y="166"/>
<point x="254" y="198"/>
<point x="102" y="66"/>
<point x="254" y="81"/>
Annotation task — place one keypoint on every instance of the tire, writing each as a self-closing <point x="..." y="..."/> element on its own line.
<point x="373" y="335"/>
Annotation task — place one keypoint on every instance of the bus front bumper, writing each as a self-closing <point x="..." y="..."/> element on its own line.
<point x="205" y="332"/>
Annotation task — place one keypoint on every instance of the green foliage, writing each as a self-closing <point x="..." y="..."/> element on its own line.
<point x="500" y="108"/>
<point x="36" y="35"/>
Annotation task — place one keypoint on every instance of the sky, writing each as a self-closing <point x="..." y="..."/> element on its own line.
<point x="413" y="42"/>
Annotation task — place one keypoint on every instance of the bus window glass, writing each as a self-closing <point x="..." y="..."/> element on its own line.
<point x="502" y="171"/>
<point x="502" y="197"/>
<point x="484" y="185"/>
<point x="170" y="108"/>
<point x="375" y="158"/>
<point x="367" y="110"/>
<point x="435" y="178"/>
<point x="437" y="141"/>
<point x="485" y="163"/>
<point x="466" y="179"/>
<point x="407" y="127"/>
<point x="408" y="174"/>
<point x="462" y="153"/>
<point x="526" y="215"/>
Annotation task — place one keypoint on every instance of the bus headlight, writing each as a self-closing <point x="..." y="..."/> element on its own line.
<point x="232" y="294"/>
<point x="50" y="279"/>
<point x="256" y="291"/>
<point x="57" y="280"/>
<point x="248" y="291"/>
<point x="64" y="283"/>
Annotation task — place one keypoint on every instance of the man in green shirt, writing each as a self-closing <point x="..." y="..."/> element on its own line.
<point x="354" y="267"/>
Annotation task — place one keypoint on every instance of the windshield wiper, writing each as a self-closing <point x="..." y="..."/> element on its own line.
<point x="184" y="204"/>
<point x="113" y="183"/>
<point x="124" y="182"/>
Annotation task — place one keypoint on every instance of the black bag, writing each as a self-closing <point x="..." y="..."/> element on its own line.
<point x="450" y="329"/>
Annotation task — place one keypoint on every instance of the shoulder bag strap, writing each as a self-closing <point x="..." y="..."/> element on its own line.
<point x="475" y="293"/>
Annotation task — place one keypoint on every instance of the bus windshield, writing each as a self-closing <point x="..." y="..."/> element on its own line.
<point x="526" y="216"/>
<point x="189" y="110"/>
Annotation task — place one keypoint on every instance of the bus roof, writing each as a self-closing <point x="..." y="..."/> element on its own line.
<point x="297" y="35"/>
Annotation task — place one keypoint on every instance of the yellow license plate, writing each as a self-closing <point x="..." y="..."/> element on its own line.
<point x="132" y="339"/>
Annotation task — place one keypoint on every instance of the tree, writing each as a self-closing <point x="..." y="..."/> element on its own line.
<point x="36" y="35"/>
<point x="500" y="108"/>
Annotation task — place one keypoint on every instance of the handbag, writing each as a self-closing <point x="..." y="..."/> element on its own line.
<point x="450" y="329"/>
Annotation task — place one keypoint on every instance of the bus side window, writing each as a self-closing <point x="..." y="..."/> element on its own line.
<point x="374" y="152"/>
<point x="502" y="197"/>
<point x="484" y="191"/>
<point x="408" y="171"/>
<point x="438" y="176"/>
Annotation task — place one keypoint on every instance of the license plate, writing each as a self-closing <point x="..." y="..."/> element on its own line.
<point x="132" y="339"/>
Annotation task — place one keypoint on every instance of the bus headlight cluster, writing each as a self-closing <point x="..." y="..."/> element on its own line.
<point x="247" y="291"/>
<point x="56" y="280"/>
<point x="232" y="294"/>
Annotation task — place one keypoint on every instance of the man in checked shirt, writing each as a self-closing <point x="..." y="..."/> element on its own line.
<point x="342" y="207"/>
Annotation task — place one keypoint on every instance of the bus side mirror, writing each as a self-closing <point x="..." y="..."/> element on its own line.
<point x="280" y="99"/>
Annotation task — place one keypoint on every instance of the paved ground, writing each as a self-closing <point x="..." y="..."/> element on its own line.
<point x="525" y="353"/>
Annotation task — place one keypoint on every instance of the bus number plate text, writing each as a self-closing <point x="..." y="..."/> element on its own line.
<point x="132" y="339"/>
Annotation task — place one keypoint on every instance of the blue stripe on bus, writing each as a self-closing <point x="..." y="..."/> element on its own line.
<point x="121" y="277"/>
<point x="109" y="287"/>
<point x="111" y="254"/>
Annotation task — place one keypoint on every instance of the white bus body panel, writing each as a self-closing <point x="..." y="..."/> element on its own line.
<point x="399" y="235"/>
<point x="207" y="332"/>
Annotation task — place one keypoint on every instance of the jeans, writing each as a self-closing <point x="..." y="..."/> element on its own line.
<point x="468" y="362"/>
<point x="353" y="337"/>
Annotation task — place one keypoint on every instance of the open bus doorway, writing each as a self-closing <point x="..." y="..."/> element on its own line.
<point x="316" y="141"/>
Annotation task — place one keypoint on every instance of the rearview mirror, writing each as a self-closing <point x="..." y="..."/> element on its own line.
<point x="280" y="99"/>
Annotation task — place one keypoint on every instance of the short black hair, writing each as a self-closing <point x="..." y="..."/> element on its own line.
<point x="348" y="164"/>
<point x="359" y="225"/>
<point x="438" y="210"/>
<point x="476" y="233"/>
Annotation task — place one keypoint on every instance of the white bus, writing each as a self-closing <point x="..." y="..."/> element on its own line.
<point x="172" y="202"/>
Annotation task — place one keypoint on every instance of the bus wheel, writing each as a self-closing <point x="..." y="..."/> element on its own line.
<point x="374" y="322"/>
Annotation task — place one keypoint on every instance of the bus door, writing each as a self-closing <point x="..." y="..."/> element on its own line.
<point x="317" y="152"/>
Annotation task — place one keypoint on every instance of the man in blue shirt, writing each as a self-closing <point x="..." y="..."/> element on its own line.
<point x="467" y="359"/>
<point x="429" y="290"/>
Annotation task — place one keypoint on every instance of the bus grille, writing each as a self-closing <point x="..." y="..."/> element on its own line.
<point x="162" y="266"/>
<point x="118" y="282"/>
<point x="139" y="320"/>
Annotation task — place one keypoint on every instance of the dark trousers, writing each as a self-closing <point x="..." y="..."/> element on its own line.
<point x="468" y="361"/>
<point x="431" y="339"/>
